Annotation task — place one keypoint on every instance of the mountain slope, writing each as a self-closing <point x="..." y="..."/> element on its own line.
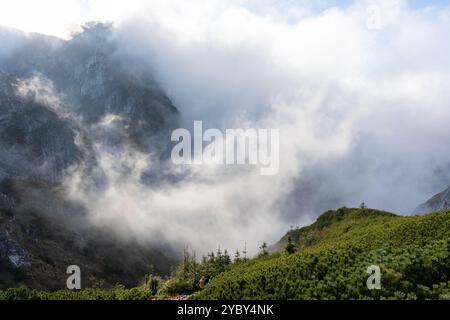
<point x="39" y="240"/>
<point x="35" y="142"/>
<point x="64" y="105"/>
<point x="440" y="201"/>
<point x="334" y="254"/>
<point x="90" y="86"/>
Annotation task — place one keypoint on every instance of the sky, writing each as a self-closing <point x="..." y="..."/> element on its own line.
<point x="358" y="90"/>
<point x="61" y="18"/>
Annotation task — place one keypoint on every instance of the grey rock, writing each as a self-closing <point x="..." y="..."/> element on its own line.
<point x="11" y="253"/>
<point x="440" y="201"/>
<point x="71" y="88"/>
<point x="59" y="99"/>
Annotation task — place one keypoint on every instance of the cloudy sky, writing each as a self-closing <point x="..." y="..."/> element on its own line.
<point x="358" y="90"/>
<point x="60" y="18"/>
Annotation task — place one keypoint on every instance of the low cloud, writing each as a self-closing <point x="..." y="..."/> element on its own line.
<point x="359" y="94"/>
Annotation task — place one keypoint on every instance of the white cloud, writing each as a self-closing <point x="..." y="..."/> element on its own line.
<point x="362" y="111"/>
<point x="343" y="92"/>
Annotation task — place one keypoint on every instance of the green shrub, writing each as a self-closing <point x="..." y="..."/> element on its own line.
<point x="412" y="252"/>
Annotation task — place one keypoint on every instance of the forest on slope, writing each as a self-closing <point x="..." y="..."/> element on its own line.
<point x="326" y="260"/>
<point x="333" y="255"/>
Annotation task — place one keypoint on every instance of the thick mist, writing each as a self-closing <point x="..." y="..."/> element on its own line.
<point x="359" y="94"/>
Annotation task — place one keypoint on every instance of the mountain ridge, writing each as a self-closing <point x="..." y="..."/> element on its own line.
<point x="63" y="103"/>
<point x="440" y="201"/>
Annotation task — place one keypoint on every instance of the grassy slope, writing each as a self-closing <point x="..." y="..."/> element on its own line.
<point x="333" y="256"/>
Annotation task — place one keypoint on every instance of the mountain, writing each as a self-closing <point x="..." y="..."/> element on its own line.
<point x="440" y="201"/>
<point x="61" y="101"/>
<point x="83" y="82"/>
<point x="36" y="143"/>
<point x="333" y="256"/>
<point x="42" y="233"/>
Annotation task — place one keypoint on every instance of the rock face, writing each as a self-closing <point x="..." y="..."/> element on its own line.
<point x="39" y="240"/>
<point x="35" y="143"/>
<point x="15" y="257"/>
<point x="441" y="201"/>
<point x="59" y="101"/>
<point x="53" y="92"/>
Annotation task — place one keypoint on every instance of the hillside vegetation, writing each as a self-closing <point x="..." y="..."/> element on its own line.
<point x="327" y="260"/>
<point x="333" y="255"/>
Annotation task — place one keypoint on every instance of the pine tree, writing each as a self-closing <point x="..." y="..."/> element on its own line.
<point x="245" y="251"/>
<point x="226" y="258"/>
<point x="263" y="249"/>
<point x="290" y="247"/>
<point x="153" y="283"/>
<point x="237" y="256"/>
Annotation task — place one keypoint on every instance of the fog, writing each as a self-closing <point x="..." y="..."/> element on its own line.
<point x="359" y="93"/>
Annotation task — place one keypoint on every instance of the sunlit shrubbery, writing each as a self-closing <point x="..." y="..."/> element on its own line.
<point x="412" y="252"/>
<point x="330" y="262"/>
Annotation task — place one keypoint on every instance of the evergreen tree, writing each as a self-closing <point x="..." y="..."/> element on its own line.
<point x="237" y="256"/>
<point x="263" y="249"/>
<point x="290" y="247"/>
<point x="226" y="259"/>
<point x="245" y="251"/>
